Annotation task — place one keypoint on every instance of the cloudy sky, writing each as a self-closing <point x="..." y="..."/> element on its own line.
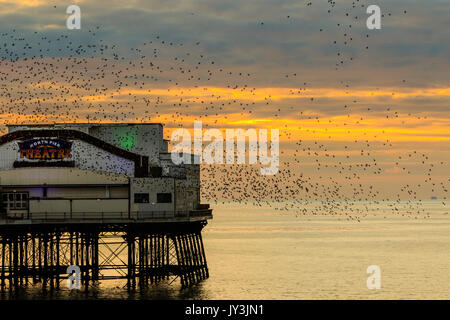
<point x="353" y="105"/>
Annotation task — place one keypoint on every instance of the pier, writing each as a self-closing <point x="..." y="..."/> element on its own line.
<point x="104" y="199"/>
<point x="141" y="252"/>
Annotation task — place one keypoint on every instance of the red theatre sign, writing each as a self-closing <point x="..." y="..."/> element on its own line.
<point x="45" y="149"/>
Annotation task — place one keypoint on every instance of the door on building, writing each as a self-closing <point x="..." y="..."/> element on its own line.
<point x="15" y="204"/>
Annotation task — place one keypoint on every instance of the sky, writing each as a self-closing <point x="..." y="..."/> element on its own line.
<point x="363" y="114"/>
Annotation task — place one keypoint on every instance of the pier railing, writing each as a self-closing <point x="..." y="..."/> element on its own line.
<point x="103" y="216"/>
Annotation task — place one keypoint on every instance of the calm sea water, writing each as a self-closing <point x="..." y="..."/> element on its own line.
<point x="261" y="254"/>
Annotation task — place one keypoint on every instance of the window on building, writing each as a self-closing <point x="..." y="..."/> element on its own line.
<point x="141" y="198"/>
<point x="164" y="198"/>
<point x="15" y="201"/>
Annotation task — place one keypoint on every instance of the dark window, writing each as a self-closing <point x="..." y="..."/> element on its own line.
<point x="155" y="172"/>
<point x="164" y="198"/>
<point x="141" y="198"/>
<point x="15" y="201"/>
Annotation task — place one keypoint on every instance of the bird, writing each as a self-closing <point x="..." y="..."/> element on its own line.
<point x="325" y="170"/>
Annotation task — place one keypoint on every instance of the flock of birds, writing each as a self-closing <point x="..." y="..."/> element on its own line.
<point x="46" y="78"/>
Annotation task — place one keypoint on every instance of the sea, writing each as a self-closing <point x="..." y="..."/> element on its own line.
<point x="261" y="253"/>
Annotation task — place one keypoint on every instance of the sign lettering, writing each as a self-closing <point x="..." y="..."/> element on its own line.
<point x="45" y="149"/>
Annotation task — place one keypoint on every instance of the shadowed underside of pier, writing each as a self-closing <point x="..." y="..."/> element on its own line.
<point x="142" y="254"/>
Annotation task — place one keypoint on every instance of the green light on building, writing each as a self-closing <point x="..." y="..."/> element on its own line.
<point x="127" y="138"/>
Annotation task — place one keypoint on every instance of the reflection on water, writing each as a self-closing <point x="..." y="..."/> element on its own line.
<point x="273" y="256"/>
<point x="107" y="290"/>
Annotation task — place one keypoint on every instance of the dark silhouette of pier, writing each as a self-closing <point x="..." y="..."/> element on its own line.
<point x="143" y="253"/>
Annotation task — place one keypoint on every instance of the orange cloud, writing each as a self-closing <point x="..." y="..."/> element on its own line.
<point x="24" y="3"/>
<point x="274" y="94"/>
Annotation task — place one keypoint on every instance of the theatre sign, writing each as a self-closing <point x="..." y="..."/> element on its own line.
<point x="45" y="149"/>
